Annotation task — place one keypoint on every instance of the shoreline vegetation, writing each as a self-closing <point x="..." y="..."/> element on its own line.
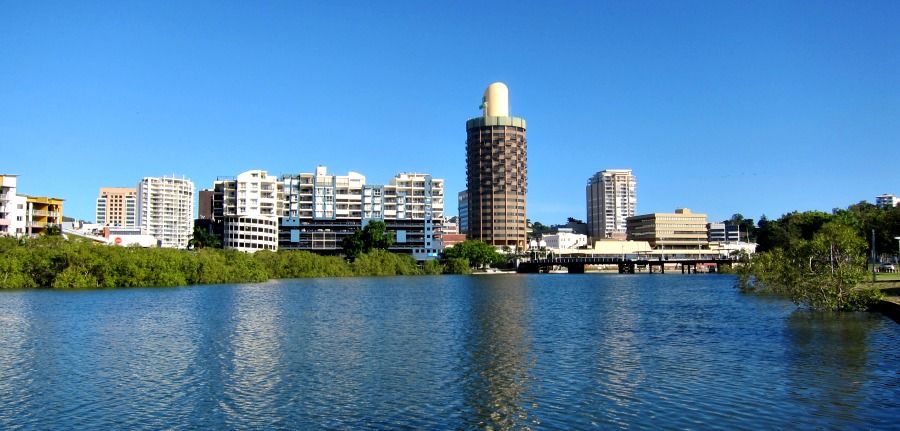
<point x="819" y="260"/>
<point x="52" y="261"/>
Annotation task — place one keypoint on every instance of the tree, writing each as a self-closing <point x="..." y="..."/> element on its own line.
<point x="745" y="225"/>
<point x="374" y="236"/>
<point x="822" y="273"/>
<point x="538" y="229"/>
<point x="478" y="253"/>
<point x="203" y="238"/>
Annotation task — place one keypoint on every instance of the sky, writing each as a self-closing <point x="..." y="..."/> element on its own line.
<point x="751" y="107"/>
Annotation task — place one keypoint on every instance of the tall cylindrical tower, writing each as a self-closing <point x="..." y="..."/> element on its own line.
<point x="497" y="172"/>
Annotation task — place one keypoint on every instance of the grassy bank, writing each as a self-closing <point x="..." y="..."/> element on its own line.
<point x="54" y="262"/>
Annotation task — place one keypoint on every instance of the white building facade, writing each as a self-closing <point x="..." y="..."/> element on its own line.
<point x="320" y="209"/>
<point x="565" y="239"/>
<point x="166" y="209"/>
<point x="13" y="207"/>
<point x="251" y="206"/>
<point x="887" y="201"/>
<point x="611" y="197"/>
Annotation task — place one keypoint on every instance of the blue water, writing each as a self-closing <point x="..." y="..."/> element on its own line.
<point x="448" y="352"/>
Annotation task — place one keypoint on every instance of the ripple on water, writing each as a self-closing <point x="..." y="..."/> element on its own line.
<point x="504" y="352"/>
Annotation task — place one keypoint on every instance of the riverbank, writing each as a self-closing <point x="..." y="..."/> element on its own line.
<point x="54" y="262"/>
<point x="889" y="305"/>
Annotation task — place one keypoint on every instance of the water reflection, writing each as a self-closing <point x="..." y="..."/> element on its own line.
<point x="497" y="380"/>
<point x="252" y="368"/>
<point x="827" y="355"/>
<point x="504" y="352"/>
<point x="17" y="356"/>
<point x="619" y="370"/>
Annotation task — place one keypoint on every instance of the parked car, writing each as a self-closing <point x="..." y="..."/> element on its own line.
<point x="887" y="267"/>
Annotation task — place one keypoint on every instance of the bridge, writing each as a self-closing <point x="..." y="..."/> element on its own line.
<point x="576" y="265"/>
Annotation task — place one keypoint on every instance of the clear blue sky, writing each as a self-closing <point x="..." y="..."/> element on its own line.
<point x="723" y="107"/>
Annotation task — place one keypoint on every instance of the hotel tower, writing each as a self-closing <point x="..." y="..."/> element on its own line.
<point x="496" y="172"/>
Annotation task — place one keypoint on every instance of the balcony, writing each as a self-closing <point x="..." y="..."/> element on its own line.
<point x="43" y="213"/>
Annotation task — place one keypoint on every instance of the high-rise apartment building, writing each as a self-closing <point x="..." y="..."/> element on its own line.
<point x="12" y="207"/>
<point x="248" y="208"/>
<point x="497" y="172"/>
<point x="320" y="209"/>
<point x="117" y="207"/>
<point x="611" y="198"/>
<point x="166" y="209"/>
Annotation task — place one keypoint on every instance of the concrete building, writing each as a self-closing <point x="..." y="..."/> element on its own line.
<point x="451" y="226"/>
<point x="247" y="208"/>
<point x="321" y="209"/>
<point x="117" y="207"/>
<point x="887" y="201"/>
<point x="565" y="239"/>
<point x="166" y="209"/>
<point x="723" y="232"/>
<point x="497" y="173"/>
<point x="611" y="197"/>
<point x="612" y="247"/>
<point x="670" y="233"/>
<point x="12" y="207"/>
<point x="125" y="237"/>
<point x="463" y="201"/>
<point x="42" y="212"/>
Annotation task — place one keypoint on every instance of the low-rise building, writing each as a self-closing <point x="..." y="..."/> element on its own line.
<point x="565" y="239"/>
<point x="723" y="232"/>
<point x="41" y="213"/>
<point x="451" y="239"/>
<point x="129" y="236"/>
<point x="623" y="248"/>
<point x="887" y="201"/>
<point x="681" y="232"/>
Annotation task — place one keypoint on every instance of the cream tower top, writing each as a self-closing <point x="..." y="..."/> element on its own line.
<point x="496" y="100"/>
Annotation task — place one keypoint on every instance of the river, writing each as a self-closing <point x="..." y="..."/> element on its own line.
<point x="541" y="351"/>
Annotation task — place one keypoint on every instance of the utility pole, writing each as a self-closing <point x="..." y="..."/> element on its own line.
<point x="873" y="255"/>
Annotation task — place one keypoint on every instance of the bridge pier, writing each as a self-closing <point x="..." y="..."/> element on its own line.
<point x="575" y="268"/>
<point x="626" y="268"/>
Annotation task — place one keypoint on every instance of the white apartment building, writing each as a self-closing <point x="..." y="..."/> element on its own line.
<point x="611" y="198"/>
<point x="12" y="207"/>
<point x="321" y="209"/>
<point x="565" y="239"/>
<point x="414" y="210"/>
<point x="117" y="207"/>
<point x="887" y="201"/>
<point x="166" y="209"/>
<point x="249" y="207"/>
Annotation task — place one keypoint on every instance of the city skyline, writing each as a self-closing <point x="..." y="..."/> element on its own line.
<point x="719" y="108"/>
